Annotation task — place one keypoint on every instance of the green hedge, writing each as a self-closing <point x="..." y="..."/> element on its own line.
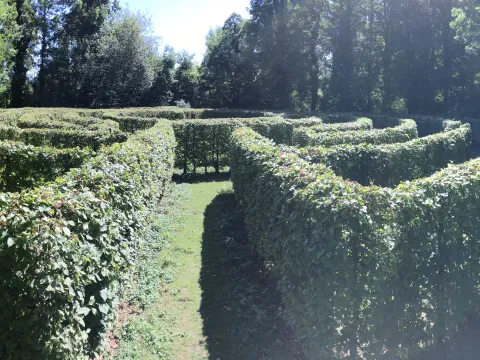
<point x="66" y="245"/>
<point x="41" y="118"/>
<point x="301" y="135"/>
<point x="62" y="138"/>
<point x="174" y="113"/>
<point x="359" y="267"/>
<point x="407" y="130"/>
<point x="204" y="143"/>
<point x="132" y="124"/>
<point x="389" y="165"/>
<point x="55" y="119"/>
<point x="426" y="125"/>
<point x="23" y="166"/>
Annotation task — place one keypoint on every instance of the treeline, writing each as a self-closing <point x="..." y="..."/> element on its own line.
<point x="90" y="53"/>
<point x="407" y="56"/>
<point x="418" y="56"/>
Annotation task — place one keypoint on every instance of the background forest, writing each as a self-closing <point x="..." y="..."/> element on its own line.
<point x="405" y="56"/>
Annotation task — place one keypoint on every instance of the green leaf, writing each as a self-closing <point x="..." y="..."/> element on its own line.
<point x="84" y="311"/>
<point x="104" y="294"/>
<point x="104" y="308"/>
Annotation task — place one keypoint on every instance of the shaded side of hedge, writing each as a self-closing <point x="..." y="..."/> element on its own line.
<point x="67" y="245"/>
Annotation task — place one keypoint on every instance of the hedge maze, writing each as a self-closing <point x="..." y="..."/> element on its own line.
<point x="370" y="224"/>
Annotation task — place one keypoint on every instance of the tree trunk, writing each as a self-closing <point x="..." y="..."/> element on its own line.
<point x="345" y="58"/>
<point x="43" y="56"/>
<point x="447" y="42"/>
<point x="282" y="60"/>
<point x="19" y="78"/>
<point x="315" y="67"/>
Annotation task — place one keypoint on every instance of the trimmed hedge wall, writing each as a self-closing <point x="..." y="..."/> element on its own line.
<point x="23" y="166"/>
<point x="204" y="143"/>
<point x="174" y="113"/>
<point x="385" y="272"/>
<point x="389" y="165"/>
<point x="56" y="119"/>
<point x="407" y="130"/>
<point x="132" y="124"/>
<point x="65" y="247"/>
<point x="63" y="138"/>
<point x="301" y="135"/>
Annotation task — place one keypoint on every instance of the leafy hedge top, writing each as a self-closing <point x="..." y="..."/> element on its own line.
<point x="359" y="124"/>
<point x="173" y="113"/>
<point x="362" y="267"/>
<point x="23" y="166"/>
<point x="302" y="135"/>
<point x="62" y="138"/>
<point x="390" y="164"/>
<point x="65" y="245"/>
<point x="55" y="119"/>
<point x="407" y="130"/>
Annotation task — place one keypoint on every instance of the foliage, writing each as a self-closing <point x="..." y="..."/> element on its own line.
<point x="8" y="33"/>
<point x="301" y="135"/>
<point x="391" y="56"/>
<point x="61" y="137"/>
<point x="59" y="128"/>
<point x="23" y="166"/>
<point x="407" y="130"/>
<point x="173" y="113"/>
<point x="361" y="269"/>
<point x="466" y="22"/>
<point x="391" y="164"/>
<point x="205" y="143"/>
<point x="186" y="84"/>
<point x="122" y="68"/>
<point x="66" y="246"/>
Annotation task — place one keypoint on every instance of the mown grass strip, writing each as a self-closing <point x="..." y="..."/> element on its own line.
<point x="214" y="299"/>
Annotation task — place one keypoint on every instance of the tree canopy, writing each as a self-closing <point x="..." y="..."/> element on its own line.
<point x="407" y="56"/>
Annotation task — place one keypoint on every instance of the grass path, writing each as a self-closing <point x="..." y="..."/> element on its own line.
<point x="192" y="345"/>
<point x="220" y="303"/>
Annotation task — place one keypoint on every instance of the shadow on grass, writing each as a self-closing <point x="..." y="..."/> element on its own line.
<point x="200" y="178"/>
<point x="241" y="306"/>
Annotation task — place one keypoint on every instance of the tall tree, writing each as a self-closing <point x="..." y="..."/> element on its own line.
<point x="48" y="23"/>
<point x="341" y="87"/>
<point x="161" y="91"/>
<point x="447" y="42"/>
<point x="226" y="67"/>
<point x="122" y="70"/>
<point x="8" y="35"/>
<point x="23" y="45"/>
<point x="66" y="79"/>
<point x="269" y="29"/>
<point x="187" y="79"/>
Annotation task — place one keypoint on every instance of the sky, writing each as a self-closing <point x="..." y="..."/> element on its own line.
<point x="184" y="24"/>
